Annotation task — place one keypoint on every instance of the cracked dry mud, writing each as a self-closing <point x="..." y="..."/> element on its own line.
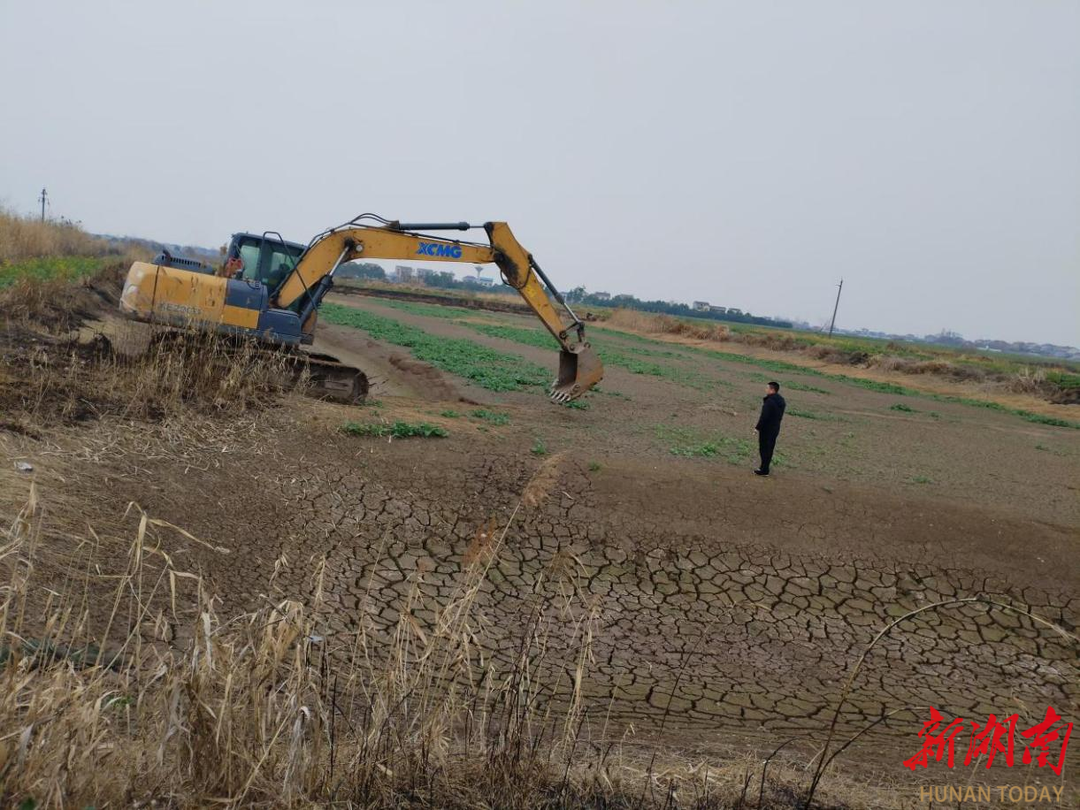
<point x="723" y="610"/>
<point x="702" y="623"/>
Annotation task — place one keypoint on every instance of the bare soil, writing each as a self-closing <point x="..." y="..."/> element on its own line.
<point x="390" y="370"/>
<point x="729" y="610"/>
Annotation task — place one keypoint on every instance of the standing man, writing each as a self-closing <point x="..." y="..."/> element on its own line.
<point x="768" y="425"/>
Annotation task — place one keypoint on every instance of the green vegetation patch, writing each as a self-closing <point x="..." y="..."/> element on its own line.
<point x="779" y="366"/>
<point x="1040" y="419"/>
<point x="1029" y="416"/>
<point x="517" y="334"/>
<point x="629" y="360"/>
<point x="689" y="443"/>
<point x="648" y="347"/>
<point x="900" y="406"/>
<point x="494" y="417"/>
<point x="445" y="311"/>
<point x="397" y="430"/>
<point x="67" y="268"/>
<point x="1064" y="379"/>
<point x="498" y="371"/>
<point x="875" y="385"/>
<point x="820" y="417"/>
<point x="490" y="369"/>
<point x="794" y="386"/>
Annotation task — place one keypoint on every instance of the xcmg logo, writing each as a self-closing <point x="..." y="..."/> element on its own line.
<point x="436" y="249"/>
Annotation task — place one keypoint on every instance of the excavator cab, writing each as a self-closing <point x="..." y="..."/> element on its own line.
<point x="268" y="258"/>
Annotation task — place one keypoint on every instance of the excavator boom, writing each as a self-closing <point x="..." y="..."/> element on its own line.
<point x="579" y="366"/>
<point x="271" y="290"/>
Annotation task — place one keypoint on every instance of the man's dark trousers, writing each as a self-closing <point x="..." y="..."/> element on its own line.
<point x="766" y="444"/>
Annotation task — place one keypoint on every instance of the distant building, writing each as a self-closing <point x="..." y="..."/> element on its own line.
<point x="734" y="311"/>
<point x="403" y="273"/>
<point x="701" y="306"/>
<point x="480" y="279"/>
<point x="602" y="296"/>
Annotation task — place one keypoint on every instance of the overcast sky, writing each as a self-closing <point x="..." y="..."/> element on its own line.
<point x="746" y="153"/>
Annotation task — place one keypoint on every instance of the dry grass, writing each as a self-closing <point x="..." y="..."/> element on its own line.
<point x="937" y="368"/>
<point x="123" y="686"/>
<point x="648" y="323"/>
<point x="49" y="374"/>
<point x="27" y="238"/>
<point x="57" y="306"/>
<point x="70" y="381"/>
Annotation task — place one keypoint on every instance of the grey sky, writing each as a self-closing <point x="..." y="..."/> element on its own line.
<point x="744" y="153"/>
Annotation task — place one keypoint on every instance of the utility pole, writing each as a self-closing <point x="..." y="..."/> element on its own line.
<point x="44" y="196"/>
<point x="833" y="322"/>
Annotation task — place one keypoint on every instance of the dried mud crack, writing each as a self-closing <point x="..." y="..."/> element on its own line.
<point x="693" y="628"/>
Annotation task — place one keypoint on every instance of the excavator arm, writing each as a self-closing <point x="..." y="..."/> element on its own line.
<point x="579" y="366"/>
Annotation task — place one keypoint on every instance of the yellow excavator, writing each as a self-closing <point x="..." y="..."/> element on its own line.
<point x="270" y="290"/>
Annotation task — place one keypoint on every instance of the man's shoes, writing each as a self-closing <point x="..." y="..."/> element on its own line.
<point x="761" y="472"/>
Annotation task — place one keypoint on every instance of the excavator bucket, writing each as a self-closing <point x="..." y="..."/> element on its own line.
<point x="579" y="370"/>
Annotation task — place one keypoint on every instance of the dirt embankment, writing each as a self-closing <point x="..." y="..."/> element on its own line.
<point x="390" y="371"/>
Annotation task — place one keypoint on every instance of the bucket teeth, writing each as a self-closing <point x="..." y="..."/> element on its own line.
<point x="561" y="395"/>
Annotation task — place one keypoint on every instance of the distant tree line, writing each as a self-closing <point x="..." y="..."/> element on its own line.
<point x="364" y="270"/>
<point x="579" y="295"/>
<point x="446" y="280"/>
<point x="443" y="279"/>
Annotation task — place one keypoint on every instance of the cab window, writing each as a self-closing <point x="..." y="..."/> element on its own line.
<point x="281" y="261"/>
<point x="249" y="255"/>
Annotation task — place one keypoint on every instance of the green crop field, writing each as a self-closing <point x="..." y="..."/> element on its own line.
<point x="490" y="369"/>
<point x="628" y="359"/>
<point x="501" y="371"/>
<point x="49" y="268"/>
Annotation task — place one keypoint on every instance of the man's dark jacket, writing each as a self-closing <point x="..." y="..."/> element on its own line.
<point x="772" y="411"/>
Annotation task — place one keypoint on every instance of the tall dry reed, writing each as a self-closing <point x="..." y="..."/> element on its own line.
<point x="121" y="684"/>
<point x="28" y="237"/>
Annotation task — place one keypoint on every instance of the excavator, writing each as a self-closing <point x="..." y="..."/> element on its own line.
<point x="270" y="290"/>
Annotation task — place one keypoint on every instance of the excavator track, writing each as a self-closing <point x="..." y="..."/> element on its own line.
<point x="321" y="376"/>
<point x="329" y="378"/>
